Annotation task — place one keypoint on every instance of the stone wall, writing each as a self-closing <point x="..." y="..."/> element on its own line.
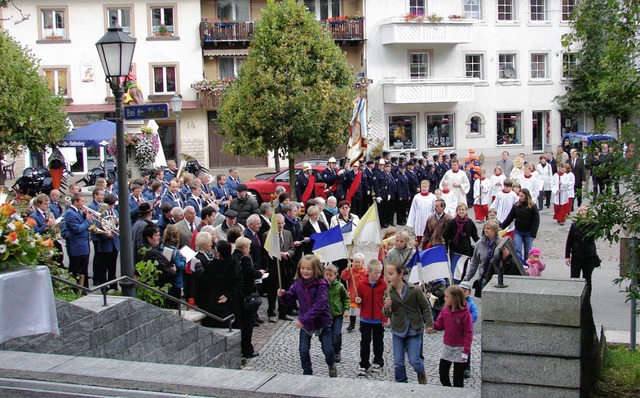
<point x="538" y="339"/>
<point x="195" y="147"/>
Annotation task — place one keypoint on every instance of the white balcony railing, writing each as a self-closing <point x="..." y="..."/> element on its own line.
<point x="428" y="91"/>
<point x="398" y="31"/>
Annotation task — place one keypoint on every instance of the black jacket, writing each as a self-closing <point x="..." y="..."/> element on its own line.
<point x="527" y="220"/>
<point x="578" y="244"/>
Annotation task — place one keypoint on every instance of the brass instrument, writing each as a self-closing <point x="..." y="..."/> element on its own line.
<point x="101" y="224"/>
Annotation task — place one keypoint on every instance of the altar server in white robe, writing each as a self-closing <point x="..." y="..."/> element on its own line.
<point x="458" y="182"/>
<point x="421" y="209"/>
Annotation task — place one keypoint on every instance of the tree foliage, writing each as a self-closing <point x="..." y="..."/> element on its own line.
<point x="30" y="115"/>
<point x="293" y="93"/>
<point x="606" y="80"/>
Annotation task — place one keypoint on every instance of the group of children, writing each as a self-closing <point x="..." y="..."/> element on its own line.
<point x="377" y="299"/>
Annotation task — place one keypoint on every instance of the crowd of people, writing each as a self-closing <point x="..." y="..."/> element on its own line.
<point x="218" y="219"/>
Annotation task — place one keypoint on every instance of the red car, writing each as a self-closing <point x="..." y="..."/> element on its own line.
<point x="263" y="186"/>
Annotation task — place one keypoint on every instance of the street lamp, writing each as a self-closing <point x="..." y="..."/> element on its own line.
<point x="115" y="49"/>
<point x="176" y="107"/>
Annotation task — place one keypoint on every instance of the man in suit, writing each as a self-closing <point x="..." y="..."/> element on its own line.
<point x="580" y="175"/>
<point x="77" y="222"/>
<point x="54" y="206"/>
<point x="106" y="247"/>
<point x="505" y="164"/>
<point x="265" y="212"/>
<point x="233" y="181"/>
<point x="165" y="217"/>
<point x="206" y="218"/>
<point x="135" y="199"/>
<point x="221" y="193"/>
<point x="287" y="251"/>
<point x="187" y="225"/>
<point x="172" y="196"/>
<point x="42" y="215"/>
<point x="252" y="232"/>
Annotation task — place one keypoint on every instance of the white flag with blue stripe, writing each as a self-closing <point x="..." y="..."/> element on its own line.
<point x="457" y="265"/>
<point x="435" y="264"/>
<point x="329" y="245"/>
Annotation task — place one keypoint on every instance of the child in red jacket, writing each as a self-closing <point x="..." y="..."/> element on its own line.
<point x="370" y="297"/>
<point x="456" y="322"/>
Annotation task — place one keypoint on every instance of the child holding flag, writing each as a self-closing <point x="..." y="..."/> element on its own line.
<point x="353" y="275"/>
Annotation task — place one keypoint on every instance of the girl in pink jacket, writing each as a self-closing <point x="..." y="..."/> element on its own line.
<point x="456" y="322"/>
<point x="533" y="263"/>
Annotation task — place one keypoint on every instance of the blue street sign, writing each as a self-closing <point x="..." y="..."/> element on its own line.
<point x="153" y="111"/>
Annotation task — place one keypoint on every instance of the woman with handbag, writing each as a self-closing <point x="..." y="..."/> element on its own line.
<point x="250" y="298"/>
<point x="580" y="250"/>
<point x="483" y="253"/>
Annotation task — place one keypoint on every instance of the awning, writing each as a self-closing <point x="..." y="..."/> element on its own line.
<point x="226" y="52"/>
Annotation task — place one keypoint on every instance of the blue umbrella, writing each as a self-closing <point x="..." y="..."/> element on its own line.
<point x="95" y="134"/>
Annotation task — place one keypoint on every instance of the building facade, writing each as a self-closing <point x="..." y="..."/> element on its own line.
<point x="459" y="74"/>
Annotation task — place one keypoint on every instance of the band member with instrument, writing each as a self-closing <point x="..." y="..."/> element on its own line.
<point x="135" y="200"/>
<point x="221" y="193"/>
<point x="173" y="196"/>
<point x="78" y="220"/>
<point x="106" y="245"/>
<point x="154" y="198"/>
<point x="42" y="215"/>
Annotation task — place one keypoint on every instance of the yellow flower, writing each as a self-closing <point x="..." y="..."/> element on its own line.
<point x="19" y="226"/>
<point x="7" y="210"/>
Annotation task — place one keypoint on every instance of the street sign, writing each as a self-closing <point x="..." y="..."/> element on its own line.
<point x="153" y="111"/>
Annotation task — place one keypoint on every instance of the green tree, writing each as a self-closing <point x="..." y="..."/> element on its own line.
<point x="293" y="93"/>
<point x="30" y="115"/>
<point x="606" y="79"/>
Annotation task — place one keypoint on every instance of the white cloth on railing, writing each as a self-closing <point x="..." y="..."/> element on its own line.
<point x="27" y="305"/>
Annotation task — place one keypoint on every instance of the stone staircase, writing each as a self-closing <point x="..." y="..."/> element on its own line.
<point x="132" y="330"/>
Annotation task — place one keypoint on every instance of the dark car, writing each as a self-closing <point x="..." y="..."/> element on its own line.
<point x="264" y="185"/>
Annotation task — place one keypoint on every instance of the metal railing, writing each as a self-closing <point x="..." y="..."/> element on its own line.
<point x="104" y="287"/>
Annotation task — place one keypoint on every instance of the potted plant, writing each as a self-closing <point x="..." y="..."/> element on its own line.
<point x="163" y="31"/>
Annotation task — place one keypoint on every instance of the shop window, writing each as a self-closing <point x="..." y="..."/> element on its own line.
<point x="440" y="131"/>
<point x="509" y="128"/>
<point x="402" y="130"/>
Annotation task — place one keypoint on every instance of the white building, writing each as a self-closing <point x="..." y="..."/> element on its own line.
<point x="457" y="74"/>
<point x="63" y="34"/>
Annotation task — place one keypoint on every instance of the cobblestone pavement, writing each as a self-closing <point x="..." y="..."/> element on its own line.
<point x="278" y="347"/>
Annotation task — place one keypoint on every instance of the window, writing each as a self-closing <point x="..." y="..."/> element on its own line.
<point x="567" y="9"/>
<point x="419" y="65"/>
<point x="162" y="18"/>
<point x="472" y="9"/>
<point x="568" y="65"/>
<point x="323" y="9"/>
<point x="473" y="66"/>
<point x="509" y="131"/>
<point x="538" y="66"/>
<point x="417" y="7"/>
<point x="440" y="131"/>
<point x="506" y="10"/>
<point x="123" y="16"/>
<point x="402" y="131"/>
<point x="233" y="10"/>
<point x="164" y="79"/>
<point x="54" y="23"/>
<point x="540" y="129"/>
<point x="57" y="80"/>
<point x="228" y="67"/>
<point x="507" y="66"/>
<point x="476" y="124"/>
<point x="538" y="10"/>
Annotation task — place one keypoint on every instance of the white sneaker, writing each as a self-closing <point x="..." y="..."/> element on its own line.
<point x="375" y="368"/>
<point x="362" y="372"/>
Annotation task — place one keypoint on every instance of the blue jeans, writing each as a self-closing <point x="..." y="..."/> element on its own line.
<point x="412" y="345"/>
<point x="336" y="332"/>
<point x="520" y="237"/>
<point x="326" y="340"/>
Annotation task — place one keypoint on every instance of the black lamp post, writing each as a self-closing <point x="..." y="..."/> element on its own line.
<point x="115" y="49"/>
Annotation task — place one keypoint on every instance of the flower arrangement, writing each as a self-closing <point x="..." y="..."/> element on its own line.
<point x="434" y="18"/>
<point x="162" y="29"/>
<point x="19" y="243"/>
<point x="457" y="17"/>
<point x="341" y="18"/>
<point x="414" y="17"/>
<point x="212" y="85"/>
<point x="144" y="144"/>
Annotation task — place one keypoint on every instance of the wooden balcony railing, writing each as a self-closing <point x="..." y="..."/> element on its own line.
<point x="208" y="99"/>
<point x="239" y="32"/>
<point x="213" y="32"/>
<point x="352" y="29"/>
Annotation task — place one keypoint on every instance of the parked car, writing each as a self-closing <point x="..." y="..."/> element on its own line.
<point x="581" y="139"/>
<point x="263" y="186"/>
<point x="314" y="162"/>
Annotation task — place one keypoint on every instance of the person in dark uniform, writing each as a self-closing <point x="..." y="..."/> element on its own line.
<point x="432" y="177"/>
<point x="414" y="182"/>
<point x="421" y="170"/>
<point x="402" y="194"/>
<point x="330" y="177"/>
<point x="381" y="187"/>
<point x="302" y="182"/>
<point x="354" y="193"/>
<point x="369" y="192"/>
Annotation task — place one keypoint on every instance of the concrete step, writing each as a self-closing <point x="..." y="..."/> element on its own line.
<point x="191" y="315"/>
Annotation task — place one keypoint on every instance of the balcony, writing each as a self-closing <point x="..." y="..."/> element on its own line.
<point x="428" y="91"/>
<point x="399" y="31"/>
<point x="208" y="99"/>
<point x="229" y="33"/>
<point x="351" y="30"/>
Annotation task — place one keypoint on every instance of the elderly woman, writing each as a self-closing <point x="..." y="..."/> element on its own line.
<point x="313" y="225"/>
<point x="321" y="203"/>
<point x="580" y="250"/>
<point x="458" y="234"/>
<point x="151" y="239"/>
<point x="250" y="298"/>
<point x="483" y="254"/>
<point x="331" y="208"/>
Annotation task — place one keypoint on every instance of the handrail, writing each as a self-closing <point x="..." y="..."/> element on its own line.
<point x="103" y="290"/>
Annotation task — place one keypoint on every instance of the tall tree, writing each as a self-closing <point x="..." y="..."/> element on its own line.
<point x="30" y="115"/>
<point x="606" y="79"/>
<point x="293" y="93"/>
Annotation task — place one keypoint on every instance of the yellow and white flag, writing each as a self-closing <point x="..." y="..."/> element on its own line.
<point x="368" y="229"/>
<point x="272" y="243"/>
